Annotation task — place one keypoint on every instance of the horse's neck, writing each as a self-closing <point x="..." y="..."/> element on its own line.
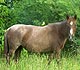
<point x="61" y="28"/>
<point x="64" y="30"/>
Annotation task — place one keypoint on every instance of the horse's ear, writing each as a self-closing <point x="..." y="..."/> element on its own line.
<point x="75" y="17"/>
<point x="67" y="17"/>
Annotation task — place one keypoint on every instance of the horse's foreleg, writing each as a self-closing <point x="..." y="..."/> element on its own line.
<point x="50" y="57"/>
<point x="58" y="55"/>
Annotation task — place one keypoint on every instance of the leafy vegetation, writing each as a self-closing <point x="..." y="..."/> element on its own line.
<point x="41" y="12"/>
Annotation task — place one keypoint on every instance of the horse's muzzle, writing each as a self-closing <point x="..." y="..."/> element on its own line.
<point x="71" y="38"/>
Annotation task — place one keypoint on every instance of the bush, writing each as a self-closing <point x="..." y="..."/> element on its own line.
<point x="37" y="12"/>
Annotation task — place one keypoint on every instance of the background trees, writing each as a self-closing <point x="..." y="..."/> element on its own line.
<point x="36" y="12"/>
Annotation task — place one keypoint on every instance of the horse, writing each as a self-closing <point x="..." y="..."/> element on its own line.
<point x="49" y="38"/>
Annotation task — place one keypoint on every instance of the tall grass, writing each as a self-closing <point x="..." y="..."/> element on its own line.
<point x="37" y="62"/>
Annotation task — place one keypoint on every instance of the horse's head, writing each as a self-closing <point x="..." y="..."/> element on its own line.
<point x="71" y="21"/>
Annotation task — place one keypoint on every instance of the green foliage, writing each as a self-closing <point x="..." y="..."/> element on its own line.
<point x="39" y="12"/>
<point x="1" y="39"/>
<point x="35" y="62"/>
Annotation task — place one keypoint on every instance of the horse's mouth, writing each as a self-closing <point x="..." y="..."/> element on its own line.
<point x="71" y="37"/>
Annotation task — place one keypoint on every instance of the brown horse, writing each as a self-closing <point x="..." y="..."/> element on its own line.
<point x="49" y="38"/>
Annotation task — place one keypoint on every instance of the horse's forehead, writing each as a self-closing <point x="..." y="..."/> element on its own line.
<point x="71" y="22"/>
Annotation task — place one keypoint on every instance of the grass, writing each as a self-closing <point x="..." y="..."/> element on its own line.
<point x="37" y="62"/>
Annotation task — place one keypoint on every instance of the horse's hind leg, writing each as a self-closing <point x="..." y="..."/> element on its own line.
<point x="17" y="53"/>
<point x="9" y="55"/>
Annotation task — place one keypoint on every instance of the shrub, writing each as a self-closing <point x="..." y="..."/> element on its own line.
<point x="37" y="12"/>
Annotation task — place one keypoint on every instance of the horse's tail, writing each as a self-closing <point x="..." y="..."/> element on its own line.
<point x="6" y="45"/>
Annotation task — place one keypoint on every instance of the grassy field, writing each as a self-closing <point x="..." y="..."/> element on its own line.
<point x="37" y="62"/>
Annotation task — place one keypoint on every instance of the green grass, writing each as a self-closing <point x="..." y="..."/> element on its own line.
<point x="37" y="62"/>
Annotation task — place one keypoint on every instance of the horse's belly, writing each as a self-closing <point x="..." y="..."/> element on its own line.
<point x="38" y="48"/>
<point x="39" y="44"/>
